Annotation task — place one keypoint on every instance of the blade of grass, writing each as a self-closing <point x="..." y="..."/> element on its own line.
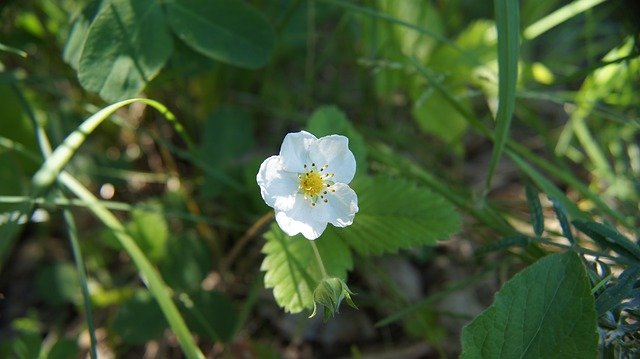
<point x="82" y="274"/>
<point x="116" y="206"/>
<point x="514" y="148"/>
<point x="547" y="186"/>
<point x="558" y="17"/>
<point x="63" y="153"/>
<point x="507" y="17"/>
<point x="149" y="274"/>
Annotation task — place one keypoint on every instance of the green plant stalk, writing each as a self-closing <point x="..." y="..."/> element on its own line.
<point x="507" y="23"/>
<point x="148" y="273"/>
<point x="558" y="17"/>
<point x="82" y="273"/>
<point x="63" y="153"/>
<point x="316" y="252"/>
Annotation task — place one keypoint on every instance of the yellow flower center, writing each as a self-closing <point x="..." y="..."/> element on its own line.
<point x="311" y="183"/>
<point x="315" y="183"/>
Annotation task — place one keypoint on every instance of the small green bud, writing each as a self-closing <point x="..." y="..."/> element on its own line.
<point x="330" y="293"/>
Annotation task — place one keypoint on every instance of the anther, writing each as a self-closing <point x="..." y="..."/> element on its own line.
<point x="325" y="192"/>
<point x="313" y="165"/>
<point x="325" y="200"/>
<point x="305" y="166"/>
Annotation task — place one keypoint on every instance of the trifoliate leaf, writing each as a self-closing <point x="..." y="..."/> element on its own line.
<point x="395" y="214"/>
<point x="545" y="311"/>
<point x="126" y="46"/>
<point x="292" y="270"/>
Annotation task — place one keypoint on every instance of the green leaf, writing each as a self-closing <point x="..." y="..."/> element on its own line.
<point x="615" y="294"/>
<point x="561" y="214"/>
<point x="507" y="16"/>
<point x="535" y="210"/>
<point x="186" y="264"/>
<point x="58" y="284"/>
<point x="291" y="268"/>
<point x="139" y="319"/>
<point x="329" y="120"/>
<point x="545" y="311"/>
<point x="225" y="30"/>
<point x="126" y="46"/>
<point x="608" y="237"/>
<point x="395" y="214"/>
<point x="211" y="314"/>
<point x="78" y="33"/>
<point x="64" y="348"/>
<point x="228" y="135"/>
<point x="150" y="231"/>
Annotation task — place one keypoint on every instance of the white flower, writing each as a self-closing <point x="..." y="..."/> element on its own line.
<point x="307" y="183"/>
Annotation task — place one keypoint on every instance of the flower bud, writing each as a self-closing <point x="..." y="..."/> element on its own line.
<point x="330" y="293"/>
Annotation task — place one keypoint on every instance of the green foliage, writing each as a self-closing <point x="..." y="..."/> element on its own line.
<point x="186" y="262"/>
<point x="139" y="319"/>
<point x="119" y="46"/>
<point x="292" y="270"/>
<point x="546" y="310"/>
<point x="227" y="30"/>
<point x="126" y="46"/>
<point x="227" y="136"/>
<point x="58" y="284"/>
<point x="211" y="314"/>
<point x="535" y="210"/>
<point x="395" y="214"/>
<point x="150" y="231"/>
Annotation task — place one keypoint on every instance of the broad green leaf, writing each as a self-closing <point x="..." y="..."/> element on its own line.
<point x="78" y="33"/>
<point x="329" y="120"/>
<point x="225" y="30"/>
<point x="395" y="214"/>
<point x="291" y="268"/>
<point x="507" y="16"/>
<point x="127" y="44"/>
<point x="139" y="319"/>
<point x="58" y="284"/>
<point x="545" y="311"/>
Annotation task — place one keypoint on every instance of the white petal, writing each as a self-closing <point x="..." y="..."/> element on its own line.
<point x="310" y="230"/>
<point x="277" y="187"/>
<point x="341" y="205"/>
<point x="334" y="151"/>
<point x="295" y="150"/>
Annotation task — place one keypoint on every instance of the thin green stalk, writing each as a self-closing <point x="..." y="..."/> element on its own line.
<point x="149" y="274"/>
<point x="80" y="267"/>
<point x="558" y="17"/>
<point x="319" y="259"/>
<point x="63" y="153"/>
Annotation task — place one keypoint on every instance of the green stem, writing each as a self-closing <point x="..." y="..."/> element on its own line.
<point x="80" y="267"/>
<point x="319" y="259"/>
<point x="148" y="273"/>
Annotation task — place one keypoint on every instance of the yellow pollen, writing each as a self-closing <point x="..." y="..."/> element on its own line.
<point x="311" y="183"/>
